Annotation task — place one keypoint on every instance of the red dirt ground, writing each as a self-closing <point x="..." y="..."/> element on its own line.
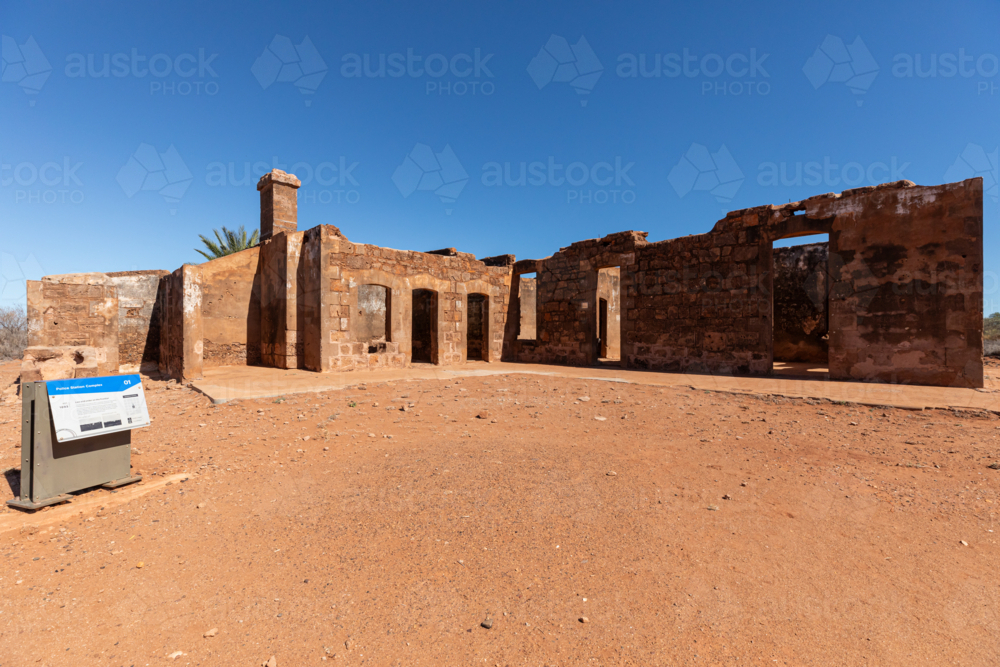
<point x="687" y="527"/>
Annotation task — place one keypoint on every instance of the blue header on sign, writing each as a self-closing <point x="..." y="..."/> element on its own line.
<point x="92" y="385"/>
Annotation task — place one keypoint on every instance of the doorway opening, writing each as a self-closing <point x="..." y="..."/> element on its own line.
<point x="609" y="321"/>
<point x="424" y="326"/>
<point x="800" y="306"/>
<point x="477" y="344"/>
<point x="527" y="293"/>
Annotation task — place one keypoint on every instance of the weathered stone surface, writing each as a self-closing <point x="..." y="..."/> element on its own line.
<point x="139" y="319"/>
<point x="42" y="364"/>
<point x="904" y="279"/>
<point x="801" y="292"/>
<point x="279" y="210"/>
<point x="905" y="299"/>
<point x="76" y="310"/>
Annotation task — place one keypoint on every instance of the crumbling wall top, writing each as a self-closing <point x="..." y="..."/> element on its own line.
<point x="278" y="176"/>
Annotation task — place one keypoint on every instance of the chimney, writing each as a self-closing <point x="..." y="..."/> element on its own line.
<point x="279" y="209"/>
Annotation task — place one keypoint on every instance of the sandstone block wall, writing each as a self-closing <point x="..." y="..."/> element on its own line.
<point x="452" y="277"/>
<point x="905" y="299"/>
<point x="75" y="310"/>
<point x="139" y="319"/>
<point x="230" y="305"/>
<point x="904" y="279"/>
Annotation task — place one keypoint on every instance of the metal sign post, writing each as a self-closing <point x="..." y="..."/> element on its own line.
<point x="51" y="470"/>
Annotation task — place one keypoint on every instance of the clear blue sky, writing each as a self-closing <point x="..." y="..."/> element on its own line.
<point x="837" y="94"/>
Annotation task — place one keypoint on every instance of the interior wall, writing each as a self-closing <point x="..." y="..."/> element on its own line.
<point x="139" y="319"/>
<point x="526" y="313"/>
<point x="371" y="316"/>
<point x="231" y="309"/>
<point x="801" y="292"/>
<point x="609" y="289"/>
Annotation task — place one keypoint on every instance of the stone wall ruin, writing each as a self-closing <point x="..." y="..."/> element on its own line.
<point x="897" y="297"/>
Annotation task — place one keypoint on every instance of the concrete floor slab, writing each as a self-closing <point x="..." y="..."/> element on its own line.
<point x="229" y="383"/>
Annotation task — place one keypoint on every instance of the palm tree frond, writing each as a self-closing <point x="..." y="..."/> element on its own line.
<point x="227" y="242"/>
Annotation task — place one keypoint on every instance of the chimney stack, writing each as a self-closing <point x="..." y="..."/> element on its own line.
<point x="279" y="209"/>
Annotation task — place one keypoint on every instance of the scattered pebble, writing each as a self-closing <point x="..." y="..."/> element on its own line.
<point x="488" y="623"/>
<point x="964" y="543"/>
<point x="211" y="633"/>
<point x="175" y="655"/>
<point x="611" y="473"/>
<point x="584" y="619"/>
<point x="601" y="419"/>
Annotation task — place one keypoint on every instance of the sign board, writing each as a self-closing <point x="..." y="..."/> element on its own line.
<point x="86" y="407"/>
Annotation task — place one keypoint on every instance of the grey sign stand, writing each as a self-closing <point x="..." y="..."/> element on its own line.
<point x="51" y="470"/>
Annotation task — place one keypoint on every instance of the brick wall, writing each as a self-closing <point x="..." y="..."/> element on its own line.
<point x="139" y="319"/>
<point x="76" y="310"/>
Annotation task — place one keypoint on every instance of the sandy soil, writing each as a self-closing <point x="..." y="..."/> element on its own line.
<point x="685" y="527"/>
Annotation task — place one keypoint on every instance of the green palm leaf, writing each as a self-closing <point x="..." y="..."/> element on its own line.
<point x="228" y="242"/>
